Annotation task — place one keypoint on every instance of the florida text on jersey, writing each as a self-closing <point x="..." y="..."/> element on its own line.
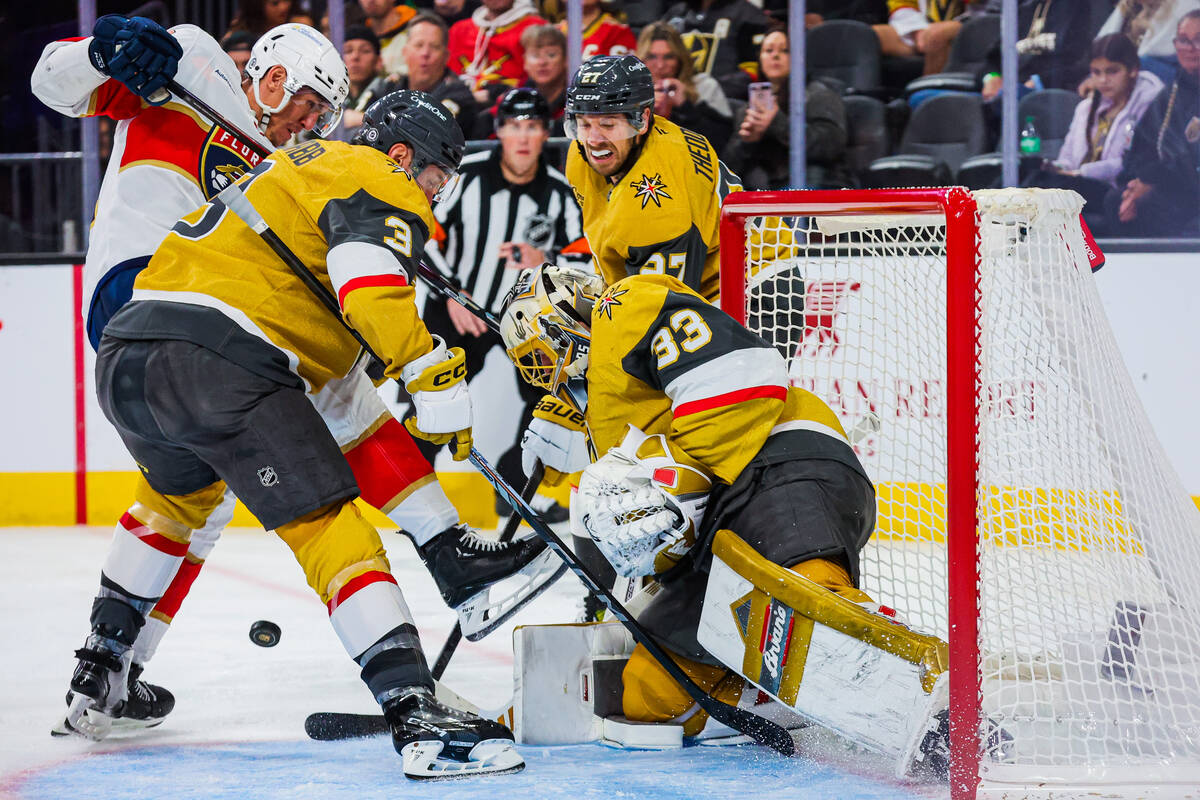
<point x="664" y="215"/>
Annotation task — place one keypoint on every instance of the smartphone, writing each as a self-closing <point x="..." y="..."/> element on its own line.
<point x="761" y="96"/>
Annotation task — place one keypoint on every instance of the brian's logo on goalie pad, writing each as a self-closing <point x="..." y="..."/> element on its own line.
<point x="777" y="634"/>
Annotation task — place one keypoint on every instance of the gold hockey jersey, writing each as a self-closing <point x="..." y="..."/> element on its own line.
<point x="355" y="218"/>
<point x="663" y="216"/>
<point x="665" y="360"/>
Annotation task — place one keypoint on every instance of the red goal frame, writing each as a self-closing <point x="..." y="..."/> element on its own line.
<point x="958" y="208"/>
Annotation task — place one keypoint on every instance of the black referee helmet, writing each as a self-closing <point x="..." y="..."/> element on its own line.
<point x="522" y="103"/>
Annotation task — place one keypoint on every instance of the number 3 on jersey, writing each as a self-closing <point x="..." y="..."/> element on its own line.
<point x="684" y="330"/>
<point x="401" y="242"/>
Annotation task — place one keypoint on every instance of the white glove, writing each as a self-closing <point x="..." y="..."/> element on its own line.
<point x="555" y="437"/>
<point x="641" y="524"/>
<point x="437" y="383"/>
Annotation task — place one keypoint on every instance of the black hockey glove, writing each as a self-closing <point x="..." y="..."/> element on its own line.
<point x="136" y="51"/>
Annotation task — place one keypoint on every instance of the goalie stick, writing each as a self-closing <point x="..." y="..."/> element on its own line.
<point x="757" y="728"/>
<point x="433" y="278"/>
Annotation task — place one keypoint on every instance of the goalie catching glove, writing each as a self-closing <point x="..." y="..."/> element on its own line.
<point x="437" y="383"/>
<point x="555" y="437"/>
<point x="640" y="505"/>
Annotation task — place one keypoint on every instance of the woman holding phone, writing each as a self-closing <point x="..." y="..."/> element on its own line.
<point x="690" y="99"/>
<point x="758" y="151"/>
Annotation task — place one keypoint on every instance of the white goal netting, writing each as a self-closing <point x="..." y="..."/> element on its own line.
<point x="1088" y="546"/>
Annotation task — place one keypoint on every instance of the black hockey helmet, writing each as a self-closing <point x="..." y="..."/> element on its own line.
<point x="522" y="103"/>
<point x="419" y="121"/>
<point x="610" y="85"/>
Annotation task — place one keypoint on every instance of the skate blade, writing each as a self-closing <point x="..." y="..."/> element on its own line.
<point x="83" y="720"/>
<point x="489" y="757"/>
<point x="481" y="614"/>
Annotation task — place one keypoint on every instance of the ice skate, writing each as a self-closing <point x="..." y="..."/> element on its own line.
<point x="146" y="706"/>
<point x="99" y="687"/>
<point x="439" y="743"/>
<point x="487" y="581"/>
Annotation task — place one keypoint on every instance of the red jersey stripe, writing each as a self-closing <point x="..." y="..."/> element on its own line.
<point x="164" y="134"/>
<point x="729" y="399"/>
<point x="356" y="583"/>
<point x="152" y="538"/>
<point x="368" y="280"/>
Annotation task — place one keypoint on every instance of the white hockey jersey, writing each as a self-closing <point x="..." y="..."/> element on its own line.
<point x="166" y="161"/>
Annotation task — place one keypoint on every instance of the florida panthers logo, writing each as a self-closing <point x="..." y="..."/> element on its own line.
<point x="651" y="189"/>
<point x="223" y="159"/>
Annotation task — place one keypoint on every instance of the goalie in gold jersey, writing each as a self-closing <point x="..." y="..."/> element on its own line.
<point x="651" y="191"/>
<point x="702" y="441"/>
<point x="206" y="374"/>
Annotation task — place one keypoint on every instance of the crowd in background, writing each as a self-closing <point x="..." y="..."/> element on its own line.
<point x="1109" y="92"/>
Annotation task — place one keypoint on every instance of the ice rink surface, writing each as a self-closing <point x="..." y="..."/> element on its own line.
<point x="237" y="729"/>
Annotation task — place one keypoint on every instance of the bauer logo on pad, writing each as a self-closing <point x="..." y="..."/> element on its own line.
<point x="777" y="633"/>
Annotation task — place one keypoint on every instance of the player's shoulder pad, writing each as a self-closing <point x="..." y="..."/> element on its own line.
<point x="684" y="150"/>
<point x="194" y="39"/>
<point x="631" y="301"/>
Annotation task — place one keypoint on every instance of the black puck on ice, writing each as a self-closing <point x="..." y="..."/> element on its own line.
<point x="264" y="633"/>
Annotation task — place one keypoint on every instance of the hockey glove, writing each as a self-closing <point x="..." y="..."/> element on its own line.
<point x="437" y="383"/>
<point x="555" y="436"/>
<point x="138" y="52"/>
<point x="640" y="506"/>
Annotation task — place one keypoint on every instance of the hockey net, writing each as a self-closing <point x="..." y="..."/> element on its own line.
<point x="1026" y="511"/>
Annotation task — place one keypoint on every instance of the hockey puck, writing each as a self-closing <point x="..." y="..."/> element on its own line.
<point x="264" y="633"/>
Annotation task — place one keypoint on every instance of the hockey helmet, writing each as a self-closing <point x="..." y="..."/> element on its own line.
<point x="419" y="121"/>
<point x="522" y="103"/>
<point x="547" y="323"/>
<point x="609" y="85"/>
<point x="311" y="62"/>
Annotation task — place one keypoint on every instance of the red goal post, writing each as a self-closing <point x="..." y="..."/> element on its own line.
<point x="1026" y="511"/>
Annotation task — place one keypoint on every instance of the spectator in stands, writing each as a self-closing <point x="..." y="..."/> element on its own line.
<point x="1054" y="47"/>
<point x="758" y="152"/>
<point x="689" y="99"/>
<point x="545" y="49"/>
<point x="389" y="21"/>
<point x="1160" y="182"/>
<point x="425" y="57"/>
<point x="360" y="53"/>
<point x="487" y="47"/>
<point x="723" y="36"/>
<point x="259" y="16"/>
<point x="603" y="33"/>
<point x="922" y="28"/>
<point x="238" y="45"/>
<point x="452" y="11"/>
<point x="1151" y="26"/>
<point x="1102" y="127"/>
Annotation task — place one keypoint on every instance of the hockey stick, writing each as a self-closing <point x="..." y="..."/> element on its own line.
<point x="510" y="529"/>
<point x="757" y="728"/>
<point x="431" y="275"/>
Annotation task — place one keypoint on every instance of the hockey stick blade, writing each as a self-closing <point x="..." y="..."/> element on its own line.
<point x="762" y="730"/>
<point x="332" y="726"/>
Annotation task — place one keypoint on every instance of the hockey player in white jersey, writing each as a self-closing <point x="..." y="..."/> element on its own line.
<point x="167" y="160"/>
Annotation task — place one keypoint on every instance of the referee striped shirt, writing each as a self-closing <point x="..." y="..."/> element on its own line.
<point x="485" y="210"/>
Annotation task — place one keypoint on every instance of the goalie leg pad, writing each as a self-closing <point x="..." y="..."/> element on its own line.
<point x="856" y="672"/>
<point x="651" y="695"/>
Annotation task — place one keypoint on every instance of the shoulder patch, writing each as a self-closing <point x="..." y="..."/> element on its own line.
<point x="607" y="302"/>
<point x="651" y="189"/>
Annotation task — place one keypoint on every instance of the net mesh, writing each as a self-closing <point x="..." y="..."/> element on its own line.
<point x="1088" y="544"/>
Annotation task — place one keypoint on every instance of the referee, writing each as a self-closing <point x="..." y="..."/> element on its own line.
<point x="509" y="210"/>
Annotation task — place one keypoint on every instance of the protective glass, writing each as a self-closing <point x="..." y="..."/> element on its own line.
<point x="613" y="127"/>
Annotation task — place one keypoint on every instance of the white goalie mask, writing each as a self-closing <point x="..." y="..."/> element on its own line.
<point x="546" y="324"/>
<point x="311" y="62"/>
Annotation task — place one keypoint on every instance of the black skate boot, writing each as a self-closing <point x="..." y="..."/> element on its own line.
<point x="438" y="743"/>
<point x="466" y="566"/>
<point x="99" y="686"/>
<point x="146" y="705"/>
